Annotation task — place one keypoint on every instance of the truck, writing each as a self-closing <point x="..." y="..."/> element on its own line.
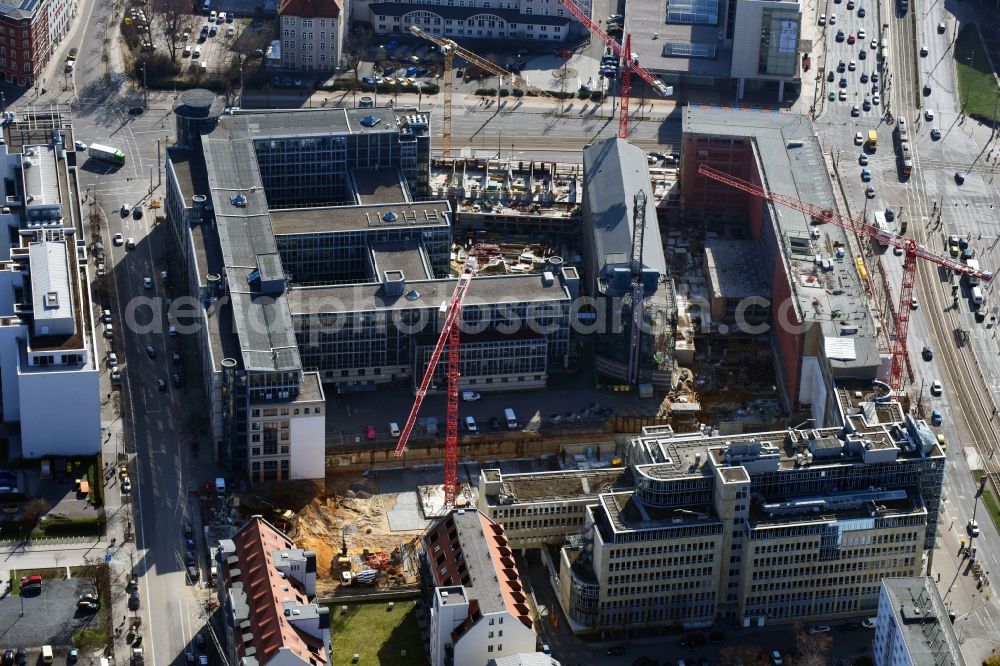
<point x="973" y="264"/>
<point x="872" y="138"/>
<point x="880" y="223"/>
<point x="107" y="154"/>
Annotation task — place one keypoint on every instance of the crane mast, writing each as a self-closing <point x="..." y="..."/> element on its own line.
<point x="638" y="237"/>
<point x="450" y="333"/>
<point x="912" y="250"/>
<point x="629" y="63"/>
<point x="449" y="49"/>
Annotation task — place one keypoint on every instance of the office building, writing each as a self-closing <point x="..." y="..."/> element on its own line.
<point x="913" y="627"/>
<point x="312" y="34"/>
<point x="478" y="608"/>
<point x="732" y="45"/>
<point x="49" y="353"/>
<point x="318" y="259"/>
<point x="24" y="28"/>
<point x="616" y="178"/>
<point x="776" y="527"/>
<point x="807" y="285"/>
<point x="473" y="20"/>
<point x="266" y="590"/>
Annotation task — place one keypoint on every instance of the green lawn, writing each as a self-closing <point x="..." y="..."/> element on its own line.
<point x="989" y="500"/>
<point x="377" y="634"/>
<point x="55" y="573"/>
<point x="976" y="83"/>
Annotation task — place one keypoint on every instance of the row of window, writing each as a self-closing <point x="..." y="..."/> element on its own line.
<point x="432" y="19"/>
<point x="308" y="23"/>
<point x="633" y="552"/>
<point x="283" y="411"/>
<point x="652" y="563"/>
<point x="27" y="65"/>
<point x="660" y="574"/>
<point x="814" y="582"/>
<point x="289" y="45"/>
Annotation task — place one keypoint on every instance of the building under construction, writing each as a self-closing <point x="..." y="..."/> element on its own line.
<point x="803" y="286"/>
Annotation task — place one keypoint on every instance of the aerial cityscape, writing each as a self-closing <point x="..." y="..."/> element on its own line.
<point x="524" y="333"/>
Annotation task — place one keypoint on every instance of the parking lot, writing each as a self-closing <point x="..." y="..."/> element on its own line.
<point x="50" y="617"/>
<point x="208" y="44"/>
<point x="348" y="415"/>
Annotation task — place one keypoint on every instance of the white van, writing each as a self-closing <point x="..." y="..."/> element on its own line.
<point x="977" y="296"/>
<point x="973" y="264"/>
<point x="109" y="331"/>
<point x="470" y="424"/>
<point x="511" y="418"/>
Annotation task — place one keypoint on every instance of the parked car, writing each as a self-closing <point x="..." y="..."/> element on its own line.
<point x="936" y="388"/>
<point x="370" y="433"/>
<point x="819" y="629"/>
<point x="189" y="558"/>
<point x="133" y="601"/>
<point x="776" y="658"/>
<point x="936" y="418"/>
<point x="470" y="396"/>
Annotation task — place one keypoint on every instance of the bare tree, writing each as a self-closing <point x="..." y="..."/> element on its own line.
<point x="175" y="20"/>
<point x="92" y="575"/>
<point x="355" y="45"/>
<point x="812" y="649"/>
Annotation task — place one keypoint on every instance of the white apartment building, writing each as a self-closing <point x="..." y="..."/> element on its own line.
<point x="542" y="20"/>
<point x="913" y="627"/>
<point x="479" y="609"/>
<point x="61" y="15"/>
<point x="48" y="358"/>
<point x="311" y="33"/>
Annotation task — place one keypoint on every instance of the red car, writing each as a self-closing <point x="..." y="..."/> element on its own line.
<point x="370" y="432"/>
<point x="850" y="38"/>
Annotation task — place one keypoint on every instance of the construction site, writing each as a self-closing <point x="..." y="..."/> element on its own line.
<point x="722" y="295"/>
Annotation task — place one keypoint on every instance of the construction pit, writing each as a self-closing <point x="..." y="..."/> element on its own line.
<point x="348" y="529"/>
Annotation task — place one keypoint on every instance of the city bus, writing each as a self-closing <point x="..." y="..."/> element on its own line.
<point x="107" y="154"/>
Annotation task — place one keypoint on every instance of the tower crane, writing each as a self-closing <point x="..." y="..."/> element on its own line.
<point x="638" y="236"/>
<point x="449" y="337"/>
<point x="449" y="48"/>
<point x="629" y="62"/>
<point x="912" y="250"/>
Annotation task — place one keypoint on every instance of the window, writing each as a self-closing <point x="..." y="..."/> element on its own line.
<point x="489" y="648"/>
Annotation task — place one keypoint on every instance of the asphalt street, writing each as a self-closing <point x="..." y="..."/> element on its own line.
<point x="966" y="358"/>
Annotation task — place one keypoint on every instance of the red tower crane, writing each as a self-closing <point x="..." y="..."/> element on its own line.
<point x="449" y="337"/>
<point x="629" y="63"/>
<point x="912" y="251"/>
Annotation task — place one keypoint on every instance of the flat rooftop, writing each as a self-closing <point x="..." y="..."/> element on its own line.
<point x="336" y="219"/>
<point x="832" y="297"/>
<point x="644" y="18"/>
<point x="291" y="123"/>
<point x="735" y="270"/>
<point x="922" y="620"/>
<point x="405" y="257"/>
<point x="861" y="509"/>
<point x="378" y="186"/>
<point x="558" y="485"/>
<point x="306" y="301"/>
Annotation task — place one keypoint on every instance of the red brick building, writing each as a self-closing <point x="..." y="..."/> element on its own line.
<point x="24" y="40"/>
